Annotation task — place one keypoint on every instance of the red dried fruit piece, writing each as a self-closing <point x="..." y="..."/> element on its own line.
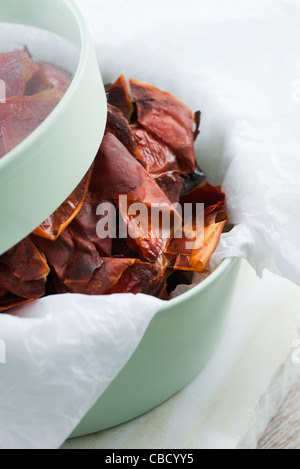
<point x="142" y="237"/>
<point x="185" y="243"/>
<point x="121" y="249"/>
<point x="197" y="121"/>
<point x="23" y="272"/>
<point x="16" y="69"/>
<point x="73" y="260"/>
<point x="161" y="162"/>
<point x="28" y="107"/>
<point x="20" y="116"/>
<point x="171" y="184"/>
<point x="204" y="245"/>
<point x="211" y="196"/>
<point x="126" y="276"/>
<point x="65" y="214"/>
<point x="119" y="97"/>
<point x="120" y="128"/>
<point x="140" y="278"/>
<point x="192" y="181"/>
<point x="85" y="223"/>
<point x="10" y="301"/>
<point x="118" y="173"/>
<point x="169" y="119"/>
<point x="108" y="275"/>
<point x="25" y="261"/>
<point x="48" y="76"/>
<point x="164" y="264"/>
<point x="157" y="157"/>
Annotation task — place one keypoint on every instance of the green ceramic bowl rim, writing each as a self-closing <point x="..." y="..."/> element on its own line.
<point x="225" y="264"/>
<point x="85" y="47"/>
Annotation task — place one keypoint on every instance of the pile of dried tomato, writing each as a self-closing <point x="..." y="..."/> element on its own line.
<point x="147" y="154"/>
<point x="29" y="92"/>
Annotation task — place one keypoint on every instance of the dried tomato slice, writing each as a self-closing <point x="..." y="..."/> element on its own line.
<point x="211" y="196"/>
<point x="157" y="157"/>
<point x="16" y="69"/>
<point x="119" y="97"/>
<point x="200" y="254"/>
<point x="37" y="106"/>
<point x="169" y="119"/>
<point x="119" y="127"/>
<point x="73" y="260"/>
<point x="10" y="301"/>
<point x="20" y="116"/>
<point x="119" y="173"/>
<point x="126" y="276"/>
<point x="65" y="214"/>
<point x="171" y="184"/>
<point x="192" y="181"/>
<point x="23" y="271"/>
<point x="48" y="76"/>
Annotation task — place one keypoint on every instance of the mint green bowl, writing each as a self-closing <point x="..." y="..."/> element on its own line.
<point x="41" y="172"/>
<point x="38" y="175"/>
<point x="177" y="345"/>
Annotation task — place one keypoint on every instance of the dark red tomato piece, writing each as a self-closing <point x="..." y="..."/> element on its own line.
<point x="20" y="116"/>
<point x="169" y="119"/>
<point x="119" y="97"/>
<point x="16" y="69"/>
<point x="65" y="214"/>
<point x="23" y="271"/>
<point x="48" y="76"/>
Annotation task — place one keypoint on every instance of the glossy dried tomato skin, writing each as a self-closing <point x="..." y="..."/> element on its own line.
<point x="169" y="119"/>
<point x="197" y="121"/>
<point x="20" y="116"/>
<point x="120" y="128"/>
<point x="126" y="276"/>
<point x="23" y="273"/>
<point x="16" y="69"/>
<point x="197" y="258"/>
<point x="156" y="156"/>
<point x="32" y="91"/>
<point x="73" y="261"/>
<point x="192" y="181"/>
<point x="118" y="96"/>
<point x="119" y="173"/>
<point x="9" y="302"/>
<point x="65" y="214"/>
<point x="140" y="278"/>
<point x="211" y="196"/>
<point x="48" y="76"/>
<point x="171" y="184"/>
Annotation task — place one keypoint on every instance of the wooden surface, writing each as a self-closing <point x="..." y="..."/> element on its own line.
<point x="284" y="430"/>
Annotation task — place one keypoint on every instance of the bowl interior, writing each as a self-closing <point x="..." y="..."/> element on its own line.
<point x="42" y="44"/>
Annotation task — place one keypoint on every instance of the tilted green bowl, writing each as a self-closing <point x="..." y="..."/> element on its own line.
<point x="41" y="172"/>
<point x="38" y="175"/>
